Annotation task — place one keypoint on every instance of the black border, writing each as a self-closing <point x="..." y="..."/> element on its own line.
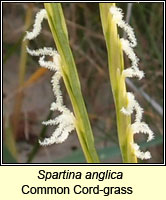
<point x="80" y="164"/>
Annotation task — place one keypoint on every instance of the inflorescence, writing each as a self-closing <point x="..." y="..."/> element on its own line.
<point x="65" y="122"/>
<point x="133" y="71"/>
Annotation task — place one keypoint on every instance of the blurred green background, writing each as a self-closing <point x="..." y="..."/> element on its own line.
<point x="27" y="92"/>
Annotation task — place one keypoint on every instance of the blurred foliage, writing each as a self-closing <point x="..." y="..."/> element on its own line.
<point x="7" y="156"/>
<point x="88" y="46"/>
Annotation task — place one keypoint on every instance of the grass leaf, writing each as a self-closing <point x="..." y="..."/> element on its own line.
<point x="70" y="76"/>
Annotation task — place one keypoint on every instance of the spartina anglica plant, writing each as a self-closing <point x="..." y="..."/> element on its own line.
<point x="125" y="102"/>
<point x="63" y="66"/>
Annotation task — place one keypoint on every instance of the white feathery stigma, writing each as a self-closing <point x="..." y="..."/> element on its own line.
<point x="65" y="122"/>
<point x="133" y="71"/>
<point x="42" y="14"/>
<point x="118" y="18"/>
<point x="133" y="105"/>
<point x="141" y="155"/>
<point x="143" y="128"/>
<point x="127" y="45"/>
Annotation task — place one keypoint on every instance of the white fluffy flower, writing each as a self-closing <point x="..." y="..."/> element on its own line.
<point x="118" y="17"/>
<point x="142" y="127"/>
<point x="131" y="102"/>
<point x="65" y="122"/>
<point x="133" y="70"/>
<point x="127" y="45"/>
<point x="137" y="126"/>
<point x="46" y="51"/>
<point x="42" y="14"/>
<point x="133" y="105"/>
<point x="141" y="155"/>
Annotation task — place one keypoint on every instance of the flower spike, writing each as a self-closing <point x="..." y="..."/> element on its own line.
<point x="65" y="122"/>
<point x="127" y="45"/>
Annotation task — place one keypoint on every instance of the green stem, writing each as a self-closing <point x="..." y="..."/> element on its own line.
<point x="59" y="31"/>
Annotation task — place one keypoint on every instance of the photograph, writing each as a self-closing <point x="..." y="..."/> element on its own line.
<point x="83" y="83"/>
